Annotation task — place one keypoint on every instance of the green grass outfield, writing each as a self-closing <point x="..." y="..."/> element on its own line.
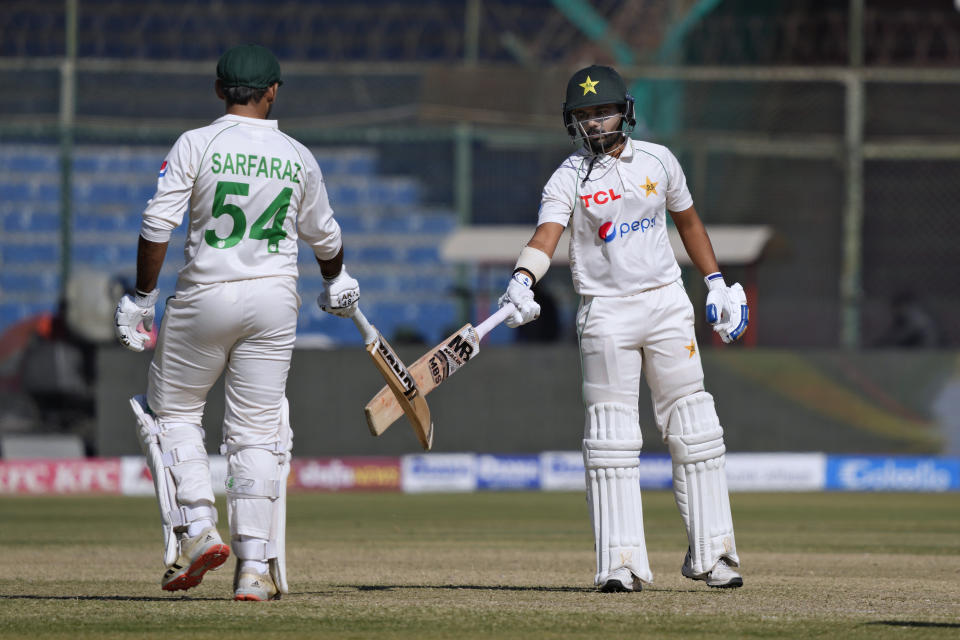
<point x="492" y="565"/>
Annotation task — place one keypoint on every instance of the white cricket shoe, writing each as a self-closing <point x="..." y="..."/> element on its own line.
<point x="197" y="556"/>
<point x="722" y="576"/>
<point x="255" y="587"/>
<point x="621" y="580"/>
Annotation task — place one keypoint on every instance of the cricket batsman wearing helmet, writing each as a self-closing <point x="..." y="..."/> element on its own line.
<point x="614" y="193"/>
<point x="251" y="191"/>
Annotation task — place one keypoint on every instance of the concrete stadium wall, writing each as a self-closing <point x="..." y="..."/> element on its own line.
<point x="527" y="399"/>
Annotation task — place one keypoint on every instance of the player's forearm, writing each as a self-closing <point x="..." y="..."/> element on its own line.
<point x="535" y="258"/>
<point x="696" y="241"/>
<point x="546" y="238"/>
<point x="332" y="267"/>
<point x="150" y="257"/>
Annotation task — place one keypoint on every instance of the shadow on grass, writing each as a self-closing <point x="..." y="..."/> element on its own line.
<point x="469" y="587"/>
<point x="478" y="587"/>
<point x="110" y="598"/>
<point x="916" y="623"/>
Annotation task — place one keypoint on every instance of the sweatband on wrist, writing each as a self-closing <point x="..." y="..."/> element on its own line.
<point x="715" y="280"/>
<point x="533" y="261"/>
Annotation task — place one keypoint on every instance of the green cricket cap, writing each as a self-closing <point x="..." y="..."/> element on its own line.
<point x="595" y="85"/>
<point x="248" y="65"/>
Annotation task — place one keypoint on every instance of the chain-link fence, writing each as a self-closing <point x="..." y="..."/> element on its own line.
<point x="449" y="126"/>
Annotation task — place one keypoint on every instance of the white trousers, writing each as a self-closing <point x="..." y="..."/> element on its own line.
<point x="651" y="333"/>
<point x="243" y="329"/>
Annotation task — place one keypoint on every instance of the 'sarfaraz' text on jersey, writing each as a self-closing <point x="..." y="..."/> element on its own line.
<point x="251" y="164"/>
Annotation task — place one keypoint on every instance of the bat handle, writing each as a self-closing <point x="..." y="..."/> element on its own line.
<point x="367" y="330"/>
<point x="487" y="325"/>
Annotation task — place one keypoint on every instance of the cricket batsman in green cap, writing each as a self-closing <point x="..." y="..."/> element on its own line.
<point x="251" y="192"/>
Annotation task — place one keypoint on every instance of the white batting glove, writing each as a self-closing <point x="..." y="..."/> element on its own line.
<point x="340" y="295"/>
<point x="132" y="311"/>
<point x="519" y="293"/>
<point x="726" y="308"/>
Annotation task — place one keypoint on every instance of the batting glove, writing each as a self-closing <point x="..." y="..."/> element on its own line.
<point x="133" y="311"/>
<point x="726" y="308"/>
<point x="340" y="295"/>
<point x="521" y="295"/>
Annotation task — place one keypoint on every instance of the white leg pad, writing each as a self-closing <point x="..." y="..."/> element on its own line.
<point x="257" y="500"/>
<point x="178" y="462"/>
<point x="695" y="439"/>
<point x="611" y="449"/>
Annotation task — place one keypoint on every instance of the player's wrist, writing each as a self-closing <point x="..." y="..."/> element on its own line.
<point x="715" y="281"/>
<point x="334" y="278"/>
<point x="145" y="299"/>
<point x="523" y="277"/>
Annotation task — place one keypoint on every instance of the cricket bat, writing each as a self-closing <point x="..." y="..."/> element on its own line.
<point x="433" y="368"/>
<point x="401" y="387"/>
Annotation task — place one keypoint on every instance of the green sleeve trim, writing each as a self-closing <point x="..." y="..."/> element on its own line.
<point x="665" y="172"/>
<point x="207" y="148"/>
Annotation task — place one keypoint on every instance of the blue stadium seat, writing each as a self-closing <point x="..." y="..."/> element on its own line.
<point x="30" y="221"/>
<point x="31" y="254"/>
<point x="15" y="192"/>
<point x="46" y="193"/>
<point x="423" y="255"/>
<point x="350" y="224"/>
<point x="106" y="193"/>
<point x="375" y="254"/>
<point x="29" y="161"/>
<point x="44" y="283"/>
<point x="116" y="257"/>
<point x="13" y="312"/>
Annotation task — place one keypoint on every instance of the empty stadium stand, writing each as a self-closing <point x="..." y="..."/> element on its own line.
<point x="391" y="238"/>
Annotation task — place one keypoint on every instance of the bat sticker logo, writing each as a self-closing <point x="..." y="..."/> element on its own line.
<point x="398" y="370"/>
<point x="439" y="370"/>
<point x="453" y="355"/>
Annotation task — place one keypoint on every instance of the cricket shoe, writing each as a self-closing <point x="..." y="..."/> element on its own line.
<point x="197" y="556"/>
<point x="620" y="581"/>
<point x="722" y="576"/>
<point x="255" y="587"/>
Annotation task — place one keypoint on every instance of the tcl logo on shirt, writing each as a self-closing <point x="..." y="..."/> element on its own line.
<point x="609" y="231"/>
<point x="600" y="197"/>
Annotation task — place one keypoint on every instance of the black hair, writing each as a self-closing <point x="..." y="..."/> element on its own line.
<point x="242" y="95"/>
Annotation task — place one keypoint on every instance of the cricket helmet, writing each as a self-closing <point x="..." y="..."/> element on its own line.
<point x="596" y="85"/>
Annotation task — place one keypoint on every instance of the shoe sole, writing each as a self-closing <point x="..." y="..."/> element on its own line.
<point x="615" y="586"/>
<point x="249" y="597"/>
<point x="210" y="559"/>
<point x="732" y="584"/>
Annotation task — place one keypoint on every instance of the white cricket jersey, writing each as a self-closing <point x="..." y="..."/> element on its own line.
<point x="618" y="240"/>
<point x="251" y="190"/>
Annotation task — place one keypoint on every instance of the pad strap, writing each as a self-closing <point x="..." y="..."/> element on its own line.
<point x="182" y="516"/>
<point x="250" y="488"/>
<point x="183" y="454"/>
<point x="615" y="454"/>
<point x="279" y="448"/>
<point x="262" y="550"/>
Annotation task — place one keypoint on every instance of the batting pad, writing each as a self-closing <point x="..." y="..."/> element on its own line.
<point x="611" y="449"/>
<point x="178" y="462"/>
<point x="695" y="439"/>
<point x="257" y="500"/>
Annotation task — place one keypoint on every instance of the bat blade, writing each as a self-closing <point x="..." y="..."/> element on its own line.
<point x="403" y="391"/>
<point x="428" y="372"/>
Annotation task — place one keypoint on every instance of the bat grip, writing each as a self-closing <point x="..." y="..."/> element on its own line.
<point x="487" y="325"/>
<point x="366" y="329"/>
